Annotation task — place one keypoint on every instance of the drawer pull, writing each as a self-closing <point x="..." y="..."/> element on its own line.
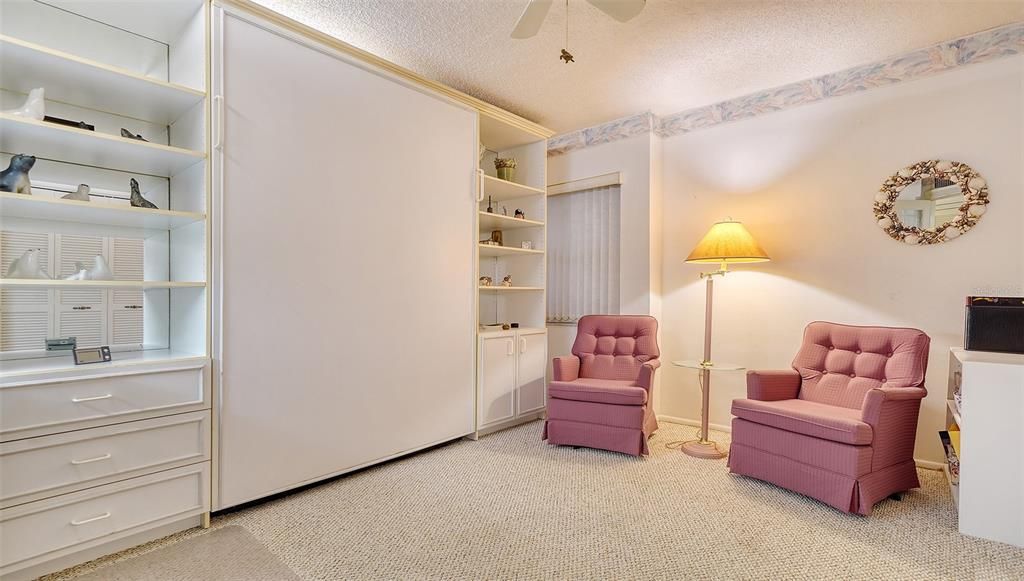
<point x="93" y="398"/>
<point x="91" y="460"/>
<point x="89" y="520"/>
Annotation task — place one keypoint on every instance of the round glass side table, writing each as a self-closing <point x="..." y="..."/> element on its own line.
<point x="704" y="447"/>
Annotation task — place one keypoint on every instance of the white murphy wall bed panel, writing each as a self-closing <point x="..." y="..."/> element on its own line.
<point x="345" y="321"/>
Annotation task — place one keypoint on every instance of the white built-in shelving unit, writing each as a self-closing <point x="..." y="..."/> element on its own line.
<point x="985" y="403"/>
<point x="511" y="381"/>
<point x="99" y="457"/>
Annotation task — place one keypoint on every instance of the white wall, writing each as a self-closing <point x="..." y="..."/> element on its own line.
<point x="803" y="181"/>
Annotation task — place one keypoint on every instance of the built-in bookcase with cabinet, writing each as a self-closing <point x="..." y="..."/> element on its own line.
<point x="523" y="302"/>
<point x="100" y="457"/>
<point x="511" y="370"/>
<point x="140" y="66"/>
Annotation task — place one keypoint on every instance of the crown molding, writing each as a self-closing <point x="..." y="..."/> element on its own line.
<point x="976" y="48"/>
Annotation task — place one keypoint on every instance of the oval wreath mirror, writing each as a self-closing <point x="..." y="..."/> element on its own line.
<point x="931" y="202"/>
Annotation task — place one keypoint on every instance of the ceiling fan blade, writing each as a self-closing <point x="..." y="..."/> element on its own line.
<point x="533" y="16"/>
<point x="621" y="10"/>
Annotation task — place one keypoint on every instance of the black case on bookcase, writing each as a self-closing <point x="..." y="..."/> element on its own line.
<point x="995" y="324"/>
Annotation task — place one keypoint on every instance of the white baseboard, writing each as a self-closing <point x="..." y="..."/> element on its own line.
<point x="695" y="423"/>
<point x="926" y="464"/>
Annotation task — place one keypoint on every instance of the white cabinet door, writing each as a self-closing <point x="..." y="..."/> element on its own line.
<point x="531" y="367"/>
<point x="344" y="286"/>
<point x="497" y="379"/>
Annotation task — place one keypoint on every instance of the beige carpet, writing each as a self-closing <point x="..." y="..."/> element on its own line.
<point x="228" y="553"/>
<point x="512" y="507"/>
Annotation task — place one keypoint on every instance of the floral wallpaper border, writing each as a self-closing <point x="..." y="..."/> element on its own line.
<point x="976" y="48"/>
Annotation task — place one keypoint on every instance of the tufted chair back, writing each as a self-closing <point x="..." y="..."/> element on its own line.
<point x="615" y="346"/>
<point x="838" y="364"/>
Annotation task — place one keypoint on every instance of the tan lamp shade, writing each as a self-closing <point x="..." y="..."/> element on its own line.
<point x="727" y="242"/>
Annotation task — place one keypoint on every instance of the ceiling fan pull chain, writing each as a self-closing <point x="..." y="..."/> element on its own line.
<point x="566" y="55"/>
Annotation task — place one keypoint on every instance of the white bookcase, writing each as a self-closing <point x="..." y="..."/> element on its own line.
<point x="104" y="456"/>
<point x="511" y="382"/>
<point x="990" y="414"/>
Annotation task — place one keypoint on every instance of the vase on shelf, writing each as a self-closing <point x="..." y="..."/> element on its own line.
<point x="505" y="168"/>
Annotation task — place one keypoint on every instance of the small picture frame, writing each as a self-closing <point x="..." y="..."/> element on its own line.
<point x="527" y="244"/>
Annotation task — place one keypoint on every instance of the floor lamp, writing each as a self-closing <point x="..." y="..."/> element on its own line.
<point x="728" y="242"/>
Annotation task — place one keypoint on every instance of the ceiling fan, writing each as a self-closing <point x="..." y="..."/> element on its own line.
<point x="537" y="10"/>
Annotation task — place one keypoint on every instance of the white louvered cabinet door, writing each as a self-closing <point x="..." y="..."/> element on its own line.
<point x="24" y="313"/>
<point x="80" y="313"/>
<point x="127" y="257"/>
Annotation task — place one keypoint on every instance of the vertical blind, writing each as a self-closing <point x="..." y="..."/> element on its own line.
<point x="583" y="254"/>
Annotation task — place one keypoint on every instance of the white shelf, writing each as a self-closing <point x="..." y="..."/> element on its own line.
<point x="488" y="250"/>
<point x="500" y="190"/>
<point x="90" y="84"/>
<point x="95" y="284"/>
<point x="951" y="404"/>
<point x="489" y="221"/>
<point x="70" y="144"/>
<point x="499" y="288"/>
<point x="55" y="209"/>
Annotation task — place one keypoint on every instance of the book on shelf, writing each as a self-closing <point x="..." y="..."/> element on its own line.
<point x="952" y="459"/>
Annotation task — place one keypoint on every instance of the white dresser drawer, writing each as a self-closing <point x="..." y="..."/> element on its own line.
<point x="43" y="408"/>
<point x="50" y="528"/>
<point x="35" y="468"/>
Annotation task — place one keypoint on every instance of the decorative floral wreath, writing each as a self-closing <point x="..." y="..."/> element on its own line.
<point x="973" y="186"/>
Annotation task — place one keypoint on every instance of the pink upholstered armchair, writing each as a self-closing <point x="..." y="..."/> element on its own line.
<point x="602" y="395"/>
<point x="840" y="425"/>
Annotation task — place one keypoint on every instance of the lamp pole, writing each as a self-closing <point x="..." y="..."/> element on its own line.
<point x="704" y="447"/>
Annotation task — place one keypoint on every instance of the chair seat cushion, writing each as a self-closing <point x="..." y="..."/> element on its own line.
<point x="815" y="419"/>
<point x="612" y="391"/>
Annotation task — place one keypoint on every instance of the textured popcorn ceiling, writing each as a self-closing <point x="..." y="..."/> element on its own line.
<point x="676" y="55"/>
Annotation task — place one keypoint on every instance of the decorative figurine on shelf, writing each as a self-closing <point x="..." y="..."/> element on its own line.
<point x="494" y="240"/>
<point x="519" y="214"/>
<point x="80" y="273"/>
<point x="486" y="281"/>
<point x="137" y="200"/>
<point x="507" y="281"/>
<point x="34" y="107"/>
<point x="490" y="208"/>
<point x="100" y="269"/>
<point x="27" y="266"/>
<point x="505" y="167"/>
<point x="130" y="135"/>
<point x="80" y="195"/>
<point x="15" y="177"/>
<point x="69" y="123"/>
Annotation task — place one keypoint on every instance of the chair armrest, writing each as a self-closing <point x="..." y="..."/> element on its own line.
<point x="646" y="377"/>
<point x="877" y="401"/>
<point x="566" y="368"/>
<point x="773" y="385"/>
